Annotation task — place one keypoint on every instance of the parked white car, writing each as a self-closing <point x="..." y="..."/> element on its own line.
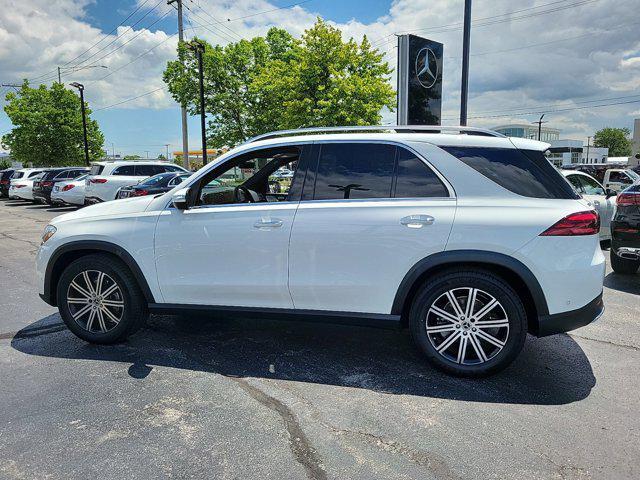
<point x="603" y="201"/>
<point x="21" y="185"/>
<point x="468" y="238"/>
<point x="70" y="192"/>
<point x="106" y="178"/>
<point x="618" y="179"/>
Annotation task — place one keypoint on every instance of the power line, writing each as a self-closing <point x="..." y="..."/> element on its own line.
<point x="220" y="34"/>
<point x="215" y="20"/>
<point x="129" y="99"/>
<point x="494" y="19"/>
<point x="267" y="11"/>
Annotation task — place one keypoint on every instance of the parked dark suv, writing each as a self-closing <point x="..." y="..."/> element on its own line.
<point x="5" y="181"/>
<point x="625" y="232"/>
<point x="42" y="188"/>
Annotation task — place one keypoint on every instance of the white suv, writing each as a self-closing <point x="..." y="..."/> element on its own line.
<point x="468" y="238"/>
<point x="106" y="178"/>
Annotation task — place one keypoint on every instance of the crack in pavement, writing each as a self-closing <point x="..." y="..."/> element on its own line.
<point x="434" y="463"/>
<point x="608" y="342"/>
<point x="34" y="332"/>
<point x="11" y="237"/>
<point x="300" y="446"/>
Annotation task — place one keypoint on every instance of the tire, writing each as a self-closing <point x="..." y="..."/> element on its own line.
<point x="444" y="344"/>
<point x="623" y="265"/>
<point x="124" y="300"/>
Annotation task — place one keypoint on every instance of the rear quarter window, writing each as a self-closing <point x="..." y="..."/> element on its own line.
<point x="524" y="172"/>
<point x="96" y="169"/>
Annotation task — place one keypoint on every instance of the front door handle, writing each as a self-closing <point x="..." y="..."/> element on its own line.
<point x="268" y="223"/>
<point x="417" y="221"/>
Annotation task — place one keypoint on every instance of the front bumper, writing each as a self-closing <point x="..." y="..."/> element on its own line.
<point x="567" y="321"/>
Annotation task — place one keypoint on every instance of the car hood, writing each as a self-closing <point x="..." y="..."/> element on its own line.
<point x="106" y="209"/>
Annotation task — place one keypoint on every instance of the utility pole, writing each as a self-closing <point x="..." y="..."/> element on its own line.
<point x="183" y="108"/>
<point x="540" y="122"/>
<point x="198" y="48"/>
<point x="12" y="85"/>
<point x="167" y="146"/>
<point x="466" y="45"/>
<point x="147" y="152"/>
<point x="59" y="76"/>
<point x="588" y="145"/>
<point x="80" y="88"/>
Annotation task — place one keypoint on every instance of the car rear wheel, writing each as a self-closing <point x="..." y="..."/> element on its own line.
<point x="468" y="323"/>
<point x="100" y="300"/>
<point x="623" y="265"/>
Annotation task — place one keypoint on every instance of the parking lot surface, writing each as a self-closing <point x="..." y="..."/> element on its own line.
<point x="218" y="398"/>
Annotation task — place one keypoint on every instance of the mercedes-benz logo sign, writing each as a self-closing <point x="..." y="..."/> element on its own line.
<point x="426" y="67"/>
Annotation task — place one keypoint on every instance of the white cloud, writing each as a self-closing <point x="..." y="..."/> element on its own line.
<point x="602" y="62"/>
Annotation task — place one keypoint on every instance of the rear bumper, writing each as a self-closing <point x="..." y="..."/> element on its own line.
<point x="92" y="200"/>
<point x="567" y="321"/>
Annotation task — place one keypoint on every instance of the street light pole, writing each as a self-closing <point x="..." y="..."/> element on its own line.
<point x="466" y="45"/>
<point x="540" y="122"/>
<point x="80" y="88"/>
<point x="198" y="48"/>
<point x="183" y="108"/>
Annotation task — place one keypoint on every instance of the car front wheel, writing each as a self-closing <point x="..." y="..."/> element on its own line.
<point x="468" y="323"/>
<point x="100" y="300"/>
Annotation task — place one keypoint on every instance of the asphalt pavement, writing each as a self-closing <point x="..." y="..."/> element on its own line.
<point x="218" y="398"/>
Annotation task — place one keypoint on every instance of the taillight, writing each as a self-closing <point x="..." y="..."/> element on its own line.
<point x="4" y="182"/>
<point x="66" y="188"/>
<point x="626" y="199"/>
<point x="98" y="180"/>
<point x="581" y="223"/>
<point x="19" y="186"/>
<point x="140" y="193"/>
<point x="47" y="184"/>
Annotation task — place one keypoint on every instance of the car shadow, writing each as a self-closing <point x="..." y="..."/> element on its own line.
<point x="549" y="371"/>
<point x="628" y="283"/>
<point x="62" y="209"/>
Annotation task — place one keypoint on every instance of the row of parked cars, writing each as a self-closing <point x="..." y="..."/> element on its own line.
<point x="80" y="186"/>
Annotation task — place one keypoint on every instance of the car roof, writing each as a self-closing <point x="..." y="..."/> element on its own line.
<point x="438" y="139"/>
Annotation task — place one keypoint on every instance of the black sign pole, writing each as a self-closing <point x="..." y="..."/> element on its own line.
<point x="466" y="41"/>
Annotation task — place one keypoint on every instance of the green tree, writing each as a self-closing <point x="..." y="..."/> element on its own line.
<point x="615" y="139"/>
<point x="279" y="82"/>
<point x="4" y="164"/>
<point x="131" y="157"/>
<point x="48" y="127"/>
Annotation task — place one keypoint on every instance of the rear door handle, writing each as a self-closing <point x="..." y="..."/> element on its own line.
<point x="417" y="221"/>
<point x="268" y="223"/>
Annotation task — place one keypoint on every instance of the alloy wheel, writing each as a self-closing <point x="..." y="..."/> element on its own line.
<point x="467" y="326"/>
<point x="95" y="301"/>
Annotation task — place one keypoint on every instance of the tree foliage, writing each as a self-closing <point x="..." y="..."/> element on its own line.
<point x="279" y="82"/>
<point x="48" y="127"/>
<point x="615" y="139"/>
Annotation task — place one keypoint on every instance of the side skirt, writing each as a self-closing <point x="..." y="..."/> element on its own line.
<point x="377" y="320"/>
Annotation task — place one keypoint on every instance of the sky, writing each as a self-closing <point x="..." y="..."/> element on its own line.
<point x="577" y="61"/>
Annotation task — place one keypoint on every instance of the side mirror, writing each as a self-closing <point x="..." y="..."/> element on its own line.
<point x="610" y="192"/>
<point x="179" y="199"/>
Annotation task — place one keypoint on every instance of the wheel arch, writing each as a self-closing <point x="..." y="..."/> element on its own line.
<point x="72" y="251"/>
<point x="508" y="268"/>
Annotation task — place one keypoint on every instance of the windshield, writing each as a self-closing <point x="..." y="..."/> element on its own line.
<point x="633" y="175"/>
<point x="157" y="179"/>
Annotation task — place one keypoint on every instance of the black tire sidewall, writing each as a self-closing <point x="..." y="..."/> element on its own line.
<point x="131" y="293"/>
<point x="489" y="283"/>
<point x="623" y="265"/>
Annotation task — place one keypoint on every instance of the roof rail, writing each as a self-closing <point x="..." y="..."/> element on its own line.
<point x="381" y="128"/>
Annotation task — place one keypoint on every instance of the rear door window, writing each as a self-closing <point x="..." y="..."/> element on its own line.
<point x="17" y="175"/>
<point x="591" y="187"/>
<point x="574" y="180"/>
<point x="524" y="172"/>
<point x="149" y="170"/>
<point x="354" y="170"/>
<point x="125" y="170"/>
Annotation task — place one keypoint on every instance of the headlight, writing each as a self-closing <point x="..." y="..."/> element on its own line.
<point x="49" y="230"/>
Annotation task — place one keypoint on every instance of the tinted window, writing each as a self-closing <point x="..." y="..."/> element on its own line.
<point x="124" y="170"/>
<point x="354" y="170"/>
<point x="415" y="179"/>
<point x="619" y="177"/>
<point x="591" y="187"/>
<point x="7" y="174"/>
<point x="33" y="174"/>
<point x="96" y="169"/>
<point x="575" y="182"/>
<point x="17" y="175"/>
<point x="173" y="168"/>
<point x="158" y="180"/>
<point x="525" y="172"/>
<point x="149" y="170"/>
